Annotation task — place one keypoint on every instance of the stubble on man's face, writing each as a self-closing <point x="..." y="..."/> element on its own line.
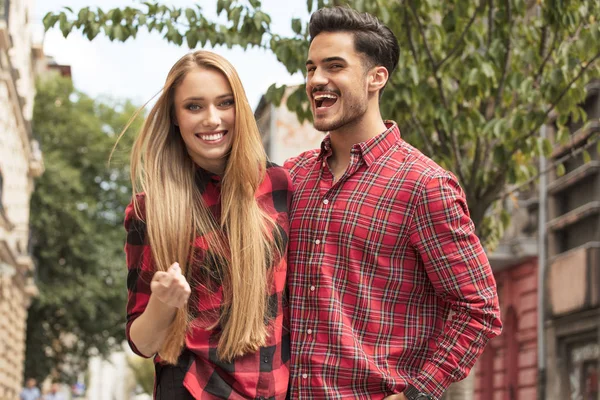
<point x="336" y="81"/>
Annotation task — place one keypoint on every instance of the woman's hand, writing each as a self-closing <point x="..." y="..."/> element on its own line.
<point x="171" y="287"/>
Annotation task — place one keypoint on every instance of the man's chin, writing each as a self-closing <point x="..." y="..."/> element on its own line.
<point x="324" y="126"/>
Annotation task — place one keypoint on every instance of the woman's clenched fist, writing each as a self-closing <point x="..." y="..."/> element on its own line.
<point x="171" y="287"/>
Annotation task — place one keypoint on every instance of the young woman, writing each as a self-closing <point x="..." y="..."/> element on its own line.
<point x="207" y="241"/>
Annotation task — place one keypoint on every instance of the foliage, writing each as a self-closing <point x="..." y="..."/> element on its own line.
<point x="77" y="235"/>
<point x="143" y="371"/>
<point x="476" y="80"/>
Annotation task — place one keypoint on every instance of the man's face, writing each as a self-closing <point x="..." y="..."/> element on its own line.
<point x="30" y="383"/>
<point x="336" y="82"/>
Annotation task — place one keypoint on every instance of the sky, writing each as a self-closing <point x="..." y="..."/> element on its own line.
<point x="137" y="69"/>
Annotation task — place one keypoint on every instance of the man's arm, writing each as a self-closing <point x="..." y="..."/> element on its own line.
<point x="460" y="273"/>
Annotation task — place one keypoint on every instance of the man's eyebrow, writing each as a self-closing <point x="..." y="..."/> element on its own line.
<point x="326" y="60"/>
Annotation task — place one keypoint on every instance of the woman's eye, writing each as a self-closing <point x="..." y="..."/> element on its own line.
<point x="193" y="107"/>
<point x="227" y="103"/>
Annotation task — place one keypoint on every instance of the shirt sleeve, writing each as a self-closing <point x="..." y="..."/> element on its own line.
<point x="460" y="273"/>
<point x="140" y="268"/>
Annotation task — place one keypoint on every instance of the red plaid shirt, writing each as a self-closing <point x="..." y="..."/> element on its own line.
<point x="377" y="262"/>
<point x="261" y="375"/>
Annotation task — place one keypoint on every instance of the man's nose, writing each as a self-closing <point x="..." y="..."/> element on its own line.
<point x="318" y="78"/>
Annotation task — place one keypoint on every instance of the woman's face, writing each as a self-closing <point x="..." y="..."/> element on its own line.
<point x="205" y="114"/>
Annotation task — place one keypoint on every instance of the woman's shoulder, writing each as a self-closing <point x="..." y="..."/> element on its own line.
<point x="278" y="177"/>
<point x="136" y="209"/>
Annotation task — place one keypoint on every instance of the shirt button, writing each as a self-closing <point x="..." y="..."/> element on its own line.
<point x="266" y="360"/>
<point x="312" y="288"/>
<point x="309" y="331"/>
<point x="304" y="376"/>
<point x="317" y="241"/>
<point x="325" y="201"/>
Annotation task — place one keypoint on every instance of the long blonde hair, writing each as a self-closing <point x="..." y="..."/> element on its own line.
<point x="175" y="212"/>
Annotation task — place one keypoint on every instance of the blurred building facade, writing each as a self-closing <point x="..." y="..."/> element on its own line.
<point x="572" y="278"/>
<point x="283" y="135"/>
<point x="20" y="163"/>
<point x="508" y="367"/>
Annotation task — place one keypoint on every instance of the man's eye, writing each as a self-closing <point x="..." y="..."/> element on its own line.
<point x="311" y="69"/>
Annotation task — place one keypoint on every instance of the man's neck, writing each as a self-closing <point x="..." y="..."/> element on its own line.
<point x="343" y="139"/>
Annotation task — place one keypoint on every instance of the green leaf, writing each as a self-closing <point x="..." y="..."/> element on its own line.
<point x="547" y="146"/>
<point x="297" y="25"/>
<point x="190" y="14"/>
<point x="586" y="157"/>
<point x="192" y="39"/>
<point x="487" y="70"/>
<point x="119" y="33"/>
<point x="560" y="170"/>
<point x="49" y="20"/>
<point x="414" y="74"/>
<point x="83" y="14"/>
<point x="275" y="94"/>
<point x="385" y="15"/>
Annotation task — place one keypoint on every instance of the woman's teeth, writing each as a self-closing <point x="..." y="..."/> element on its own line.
<point x="211" y="138"/>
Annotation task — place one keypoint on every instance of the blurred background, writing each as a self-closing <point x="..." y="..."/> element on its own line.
<point x="505" y="94"/>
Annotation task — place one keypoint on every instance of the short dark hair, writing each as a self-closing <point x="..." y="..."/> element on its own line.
<point x="371" y="36"/>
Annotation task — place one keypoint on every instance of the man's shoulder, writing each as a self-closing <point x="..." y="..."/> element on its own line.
<point x="420" y="165"/>
<point x="301" y="163"/>
<point x="306" y="158"/>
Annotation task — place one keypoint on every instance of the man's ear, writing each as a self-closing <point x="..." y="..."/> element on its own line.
<point x="378" y="77"/>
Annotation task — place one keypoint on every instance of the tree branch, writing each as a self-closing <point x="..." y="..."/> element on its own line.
<point x="422" y="31"/>
<point x="555" y="164"/>
<point x="430" y="56"/>
<point x="540" y="70"/>
<point x="410" y="39"/>
<point x="490" y="23"/>
<point x="534" y="130"/>
<point x="543" y="37"/>
<point x="457" y="155"/>
<point x="506" y="54"/>
<point x="475" y="166"/>
<point x="423" y="134"/>
<point x="461" y="38"/>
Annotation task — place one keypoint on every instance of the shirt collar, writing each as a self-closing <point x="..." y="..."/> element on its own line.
<point x="204" y="177"/>
<point x="371" y="149"/>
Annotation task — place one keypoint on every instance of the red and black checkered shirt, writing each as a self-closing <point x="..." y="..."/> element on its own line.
<point x="377" y="263"/>
<point x="262" y="375"/>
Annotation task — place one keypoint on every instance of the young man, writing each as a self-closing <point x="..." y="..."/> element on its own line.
<point x="391" y="293"/>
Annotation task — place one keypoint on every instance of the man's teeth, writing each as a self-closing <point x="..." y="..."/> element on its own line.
<point x="325" y="96"/>
<point x="216" y="136"/>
